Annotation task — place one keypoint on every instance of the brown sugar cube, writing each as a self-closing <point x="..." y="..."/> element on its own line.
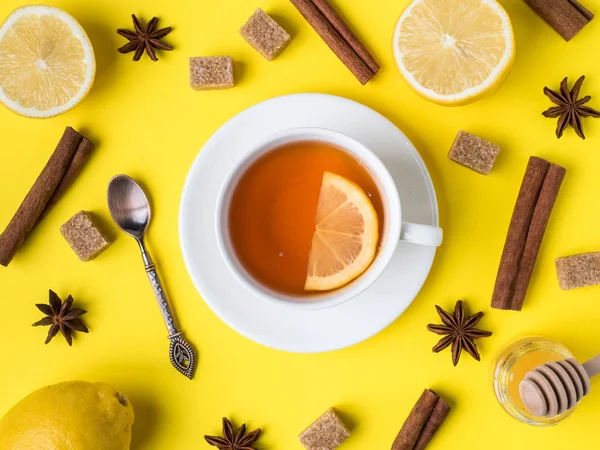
<point x="474" y="152"/>
<point x="83" y="236"/>
<point x="578" y="270"/>
<point x="326" y="433"/>
<point x="265" y="35"/>
<point x="211" y="72"/>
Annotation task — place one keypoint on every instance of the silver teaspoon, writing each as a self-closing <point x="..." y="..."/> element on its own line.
<point x="130" y="210"/>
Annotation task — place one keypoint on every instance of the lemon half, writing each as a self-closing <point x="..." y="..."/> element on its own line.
<point x="454" y="51"/>
<point x="47" y="63"/>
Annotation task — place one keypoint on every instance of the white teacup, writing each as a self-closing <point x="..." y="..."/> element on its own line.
<point x="395" y="230"/>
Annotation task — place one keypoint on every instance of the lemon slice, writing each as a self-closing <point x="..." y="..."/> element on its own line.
<point x="346" y="235"/>
<point x="454" y="51"/>
<point x="47" y="62"/>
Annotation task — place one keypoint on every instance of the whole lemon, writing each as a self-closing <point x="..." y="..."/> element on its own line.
<point x="74" y="415"/>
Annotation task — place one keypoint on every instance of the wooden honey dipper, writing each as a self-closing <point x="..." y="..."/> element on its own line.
<point x="555" y="387"/>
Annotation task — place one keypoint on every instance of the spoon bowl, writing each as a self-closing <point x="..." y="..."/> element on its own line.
<point x="128" y="206"/>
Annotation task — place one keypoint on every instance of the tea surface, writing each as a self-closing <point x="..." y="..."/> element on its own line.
<point x="273" y="209"/>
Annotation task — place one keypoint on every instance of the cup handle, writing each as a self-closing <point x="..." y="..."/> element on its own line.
<point x="416" y="233"/>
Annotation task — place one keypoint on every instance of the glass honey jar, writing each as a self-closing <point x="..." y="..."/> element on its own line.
<point x="509" y="368"/>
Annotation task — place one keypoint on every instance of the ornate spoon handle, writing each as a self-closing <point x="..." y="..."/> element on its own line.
<point x="181" y="352"/>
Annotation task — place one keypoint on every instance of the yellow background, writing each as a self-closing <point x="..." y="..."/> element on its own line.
<point x="148" y="123"/>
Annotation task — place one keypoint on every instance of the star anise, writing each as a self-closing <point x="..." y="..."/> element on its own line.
<point x="144" y="38"/>
<point x="458" y="331"/>
<point x="60" y="316"/>
<point x="570" y="110"/>
<point x="238" y="440"/>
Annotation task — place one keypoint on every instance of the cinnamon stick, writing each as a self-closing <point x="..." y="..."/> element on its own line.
<point x="40" y="193"/>
<point x="334" y="40"/>
<point x="340" y="26"/>
<point x="80" y="158"/>
<point x="517" y="232"/>
<point x="539" y="221"/>
<point x="422" y="422"/>
<point x="438" y="415"/>
<point x="567" y="17"/>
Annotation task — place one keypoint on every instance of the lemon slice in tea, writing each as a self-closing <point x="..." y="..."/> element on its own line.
<point x="346" y="235"/>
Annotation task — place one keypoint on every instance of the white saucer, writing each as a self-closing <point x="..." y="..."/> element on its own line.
<point x="273" y="325"/>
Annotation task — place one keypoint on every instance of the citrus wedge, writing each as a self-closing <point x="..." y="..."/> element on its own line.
<point x="454" y="51"/>
<point x="346" y="235"/>
<point x="47" y="62"/>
